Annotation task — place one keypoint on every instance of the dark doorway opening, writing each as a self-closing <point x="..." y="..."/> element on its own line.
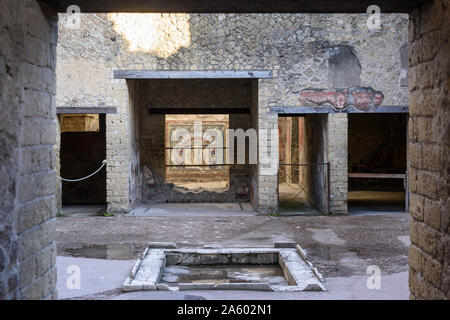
<point x="377" y="163"/>
<point x="83" y="149"/>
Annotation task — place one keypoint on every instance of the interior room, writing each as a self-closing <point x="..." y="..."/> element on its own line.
<point x="181" y="144"/>
<point x="303" y="171"/>
<point x="82" y="151"/>
<point x="377" y="162"/>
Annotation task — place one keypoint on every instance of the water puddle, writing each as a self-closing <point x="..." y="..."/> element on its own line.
<point x="271" y="274"/>
<point x="113" y="251"/>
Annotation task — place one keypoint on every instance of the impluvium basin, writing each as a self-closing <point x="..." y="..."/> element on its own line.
<point x="267" y="269"/>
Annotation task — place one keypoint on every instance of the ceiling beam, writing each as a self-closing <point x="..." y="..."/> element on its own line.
<point x="207" y="74"/>
<point x="292" y="111"/>
<point x="236" y="6"/>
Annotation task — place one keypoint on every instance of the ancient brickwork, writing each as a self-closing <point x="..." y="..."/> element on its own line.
<point x="119" y="148"/>
<point x="338" y="159"/>
<point x="27" y="160"/>
<point x="429" y="140"/>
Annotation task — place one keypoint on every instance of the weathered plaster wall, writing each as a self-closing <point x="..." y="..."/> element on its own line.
<point x="300" y="47"/>
<point x="429" y="141"/>
<point x="303" y="51"/>
<point x="27" y="159"/>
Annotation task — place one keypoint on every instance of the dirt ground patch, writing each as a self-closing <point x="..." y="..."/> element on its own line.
<point x="337" y="245"/>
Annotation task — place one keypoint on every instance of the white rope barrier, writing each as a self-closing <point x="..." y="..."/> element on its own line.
<point x="84" y="178"/>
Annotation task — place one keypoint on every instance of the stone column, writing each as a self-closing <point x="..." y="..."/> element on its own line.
<point x="118" y="148"/>
<point x="267" y="173"/>
<point x="27" y="154"/>
<point x="338" y="158"/>
<point x="429" y="81"/>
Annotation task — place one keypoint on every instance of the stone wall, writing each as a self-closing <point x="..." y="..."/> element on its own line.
<point x="303" y="52"/>
<point x="302" y="49"/>
<point x="429" y="140"/>
<point x="27" y="159"/>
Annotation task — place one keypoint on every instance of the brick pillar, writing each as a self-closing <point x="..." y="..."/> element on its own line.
<point x="27" y="155"/>
<point x="267" y="174"/>
<point x="118" y="149"/>
<point x="338" y="157"/>
<point x="429" y="258"/>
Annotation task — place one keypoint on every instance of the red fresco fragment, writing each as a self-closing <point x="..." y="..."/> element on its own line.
<point x="360" y="97"/>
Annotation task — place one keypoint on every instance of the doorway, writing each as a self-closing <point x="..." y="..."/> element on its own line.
<point x="377" y="163"/>
<point x="83" y="149"/>
<point x="303" y="176"/>
<point x="203" y="110"/>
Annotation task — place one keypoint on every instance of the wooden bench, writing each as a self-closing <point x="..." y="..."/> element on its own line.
<point x="377" y="175"/>
<point x="385" y="176"/>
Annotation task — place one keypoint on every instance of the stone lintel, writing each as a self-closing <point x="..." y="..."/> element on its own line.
<point x="204" y="74"/>
<point x="86" y="110"/>
<point x="285" y="111"/>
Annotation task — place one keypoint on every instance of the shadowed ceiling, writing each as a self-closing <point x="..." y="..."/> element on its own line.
<point x="236" y="6"/>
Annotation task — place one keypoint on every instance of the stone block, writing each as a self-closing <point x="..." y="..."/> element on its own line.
<point x="432" y="214"/>
<point x="432" y="270"/>
<point x="48" y="133"/>
<point x="156" y="245"/>
<point x="427" y="239"/>
<point x="413" y="231"/>
<point x="284" y="245"/>
<point x="431" y="157"/>
<point x="415" y="258"/>
<point x="416" y="206"/>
